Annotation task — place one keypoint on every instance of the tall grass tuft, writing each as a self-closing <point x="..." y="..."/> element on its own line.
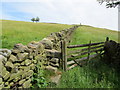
<point x="96" y="74"/>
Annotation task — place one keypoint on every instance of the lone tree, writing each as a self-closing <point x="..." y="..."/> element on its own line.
<point x="33" y="19"/>
<point x="110" y="3"/>
<point x="37" y="19"/>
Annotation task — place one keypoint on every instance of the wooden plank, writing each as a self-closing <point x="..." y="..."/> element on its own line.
<point x="75" y="55"/>
<point x="63" y="53"/>
<point x="78" y="63"/>
<point x="74" y="65"/>
<point x="92" y="51"/>
<point x="81" y="50"/>
<point x="70" y="62"/>
<point x="65" y="56"/>
<point x="84" y="58"/>
<point x="78" y="60"/>
<point x="81" y="59"/>
<point x="83" y="45"/>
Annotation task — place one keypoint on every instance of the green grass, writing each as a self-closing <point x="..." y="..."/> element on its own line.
<point x="96" y="74"/>
<point x="14" y="32"/>
<point x="84" y="34"/>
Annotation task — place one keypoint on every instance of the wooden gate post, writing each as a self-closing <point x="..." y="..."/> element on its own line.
<point x="64" y="55"/>
<point x="89" y="50"/>
<point x="107" y="39"/>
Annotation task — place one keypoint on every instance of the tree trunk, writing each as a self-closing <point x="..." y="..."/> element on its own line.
<point x="119" y="17"/>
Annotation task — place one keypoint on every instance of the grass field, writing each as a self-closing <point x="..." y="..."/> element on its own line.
<point x="14" y="32"/>
<point x="95" y="75"/>
<point x="86" y="33"/>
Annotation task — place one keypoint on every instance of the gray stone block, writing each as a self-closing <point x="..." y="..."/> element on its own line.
<point x="54" y="60"/>
<point x="47" y="43"/>
<point x="50" y="68"/>
<point x="53" y="53"/>
<point x="5" y="52"/>
<point x="22" y="56"/>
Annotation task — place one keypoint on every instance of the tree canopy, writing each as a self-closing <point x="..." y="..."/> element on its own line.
<point x="110" y="3"/>
<point x="37" y="19"/>
<point x="33" y="19"/>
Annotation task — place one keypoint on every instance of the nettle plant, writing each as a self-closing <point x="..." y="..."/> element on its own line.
<point x="38" y="79"/>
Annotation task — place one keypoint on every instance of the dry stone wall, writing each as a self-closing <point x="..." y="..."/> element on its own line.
<point x="112" y="53"/>
<point x="17" y="65"/>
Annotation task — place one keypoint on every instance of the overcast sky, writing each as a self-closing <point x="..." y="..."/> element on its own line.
<point x="88" y="12"/>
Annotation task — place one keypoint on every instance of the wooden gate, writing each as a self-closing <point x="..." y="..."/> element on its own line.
<point x="74" y="55"/>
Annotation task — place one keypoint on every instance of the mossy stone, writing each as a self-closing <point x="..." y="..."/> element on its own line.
<point x="21" y="81"/>
<point x="16" y="75"/>
<point x="47" y="43"/>
<point x="3" y="59"/>
<point x="1" y="80"/>
<point x="27" y="68"/>
<point x="13" y="58"/>
<point x="23" y="63"/>
<point x="27" y="84"/>
<point x="22" y="56"/>
<point x="6" y="83"/>
<point x="17" y="64"/>
<point x="4" y="71"/>
<point x="1" y="85"/>
<point x="29" y="73"/>
<point x="16" y="79"/>
<point x="32" y="66"/>
<point x="34" y="61"/>
<point x="6" y="76"/>
<point x="12" y="76"/>
<point x="11" y="83"/>
<point x="9" y="64"/>
<point x="27" y="62"/>
<point x="14" y="70"/>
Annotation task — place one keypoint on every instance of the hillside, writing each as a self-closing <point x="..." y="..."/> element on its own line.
<point x="23" y="32"/>
<point x="14" y="32"/>
<point x="86" y="33"/>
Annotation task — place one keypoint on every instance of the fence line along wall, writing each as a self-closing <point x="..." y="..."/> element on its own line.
<point x="80" y="55"/>
<point x="17" y="65"/>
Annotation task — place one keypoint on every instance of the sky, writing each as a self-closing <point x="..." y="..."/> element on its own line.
<point x="86" y="12"/>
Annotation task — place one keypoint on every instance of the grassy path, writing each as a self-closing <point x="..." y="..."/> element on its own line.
<point x="86" y="33"/>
